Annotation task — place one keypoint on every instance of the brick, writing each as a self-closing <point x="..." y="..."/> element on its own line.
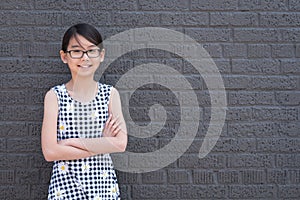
<point x="12" y="97"/>
<point x="235" y="145"/>
<point x="7" y="177"/>
<point x="23" y="81"/>
<point x="11" y="129"/>
<point x="30" y="18"/>
<point x="142" y="145"/>
<point x="155" y="177"/>
<point x="288" y="161"/>
<point x="252" y="191"/>
<point x="283" y="51"/>
<point x="32" y="65"/>
<point x="209" y="34"/>
<point x="251" y="160"/>
<point x="179" y="176"/>
<point x="148" y="97"/>
<point x="280" y="19"/>
<point x="251" y="98"/>
<point x="11" y="49"/>
<point x="108" y="5"/>
<point x="259" y="51"/>
<point x="20" y="34"/>
<point x="37" y="161"/>
<point x="125" y="191"/>
<point x="27" y="176"/>
<point x="215" y="51"/>
<point x="258" y="129"/>
<point x="2" y="145"/>
<point x="253" y="176"/>
<point x="153" y="5"/>
<point x="155" y="191"/>
<point x="128" y="178"/>
<point x="288" y="98"/>
<point x="97" y="18"/>
<point x="256" y="66"/>
<point x="203" y="192"/>
<point x="234" y="50"/>
<point x="23" y="145"/>
<point x="15" y="192"/>
<point x="39" y="191"/>
<point x="238" y="114"/>
<point x="33" y="113"/>
<point x="289" y="191"/>
<point x="294" y="176"/>
<point x="278" y="145"/>
<point x="34" y="129"/>
<point x="263" y="5"/>
<point x="274" y="82"/>
<point x="214" y="5"/>
<point x="16" y="5"/>
<point x="291" y="35"/>
<point x="294" y="5"/>
<point x="235" y="82"/>
<point x="256" y="35"/>
<point x="297" y="51"/>
<point x="186" y="19"/>
<point x="59" y="5"/>
<point x="222" y="66"/>
<point x="135" y="19"/>
<point x="203" y="177"/>
<point x="36" y="97"/>
<point x="228" y="177"/>
<point x="44" y="176"/>
<point x="275" y="113"/>
<point x="121" y="66"/>
<point x="211" y="161"/>
<point x="277" y="176"/>
<point x="233" y="19"/>
<point x="15" y="161"/>
<point x="36" y="49"/>
<point x="290" y="66"/>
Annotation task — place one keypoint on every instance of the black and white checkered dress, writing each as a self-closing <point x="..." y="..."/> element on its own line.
<point x="89" y="178"/>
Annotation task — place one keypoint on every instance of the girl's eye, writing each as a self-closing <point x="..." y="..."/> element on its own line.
<point x="76" y="51"/>
<point x="92" y="50"/>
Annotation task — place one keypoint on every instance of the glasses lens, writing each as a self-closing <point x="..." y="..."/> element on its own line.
<point x="93" y="53"/>
<point x="76" y="54"/>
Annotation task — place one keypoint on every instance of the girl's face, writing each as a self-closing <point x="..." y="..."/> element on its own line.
<point x="85" y="66"/>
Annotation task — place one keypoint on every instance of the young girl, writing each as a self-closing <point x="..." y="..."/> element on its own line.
<point x="82" y="123"/>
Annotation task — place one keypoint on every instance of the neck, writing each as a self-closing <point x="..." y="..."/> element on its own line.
<point x="82" y="88"/>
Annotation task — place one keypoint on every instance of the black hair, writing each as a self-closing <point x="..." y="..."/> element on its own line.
<point x="85" y="30"/>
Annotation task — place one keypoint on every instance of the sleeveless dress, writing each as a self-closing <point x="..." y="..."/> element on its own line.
<point x="91" y="178"/>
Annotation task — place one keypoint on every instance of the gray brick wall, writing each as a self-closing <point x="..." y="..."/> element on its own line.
<point x="256" y="47"/>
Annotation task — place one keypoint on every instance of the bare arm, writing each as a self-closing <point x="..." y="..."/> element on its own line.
<point x="114" y="135"/>
<point x="52" y="150"/>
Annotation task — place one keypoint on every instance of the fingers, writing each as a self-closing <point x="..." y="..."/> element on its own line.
<point x="112" y="126"/>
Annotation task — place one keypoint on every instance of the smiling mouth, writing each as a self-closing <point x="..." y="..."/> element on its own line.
<point x="84" y="66"/>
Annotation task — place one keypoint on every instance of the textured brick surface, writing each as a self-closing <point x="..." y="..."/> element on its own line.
<point x="255" y="46"/>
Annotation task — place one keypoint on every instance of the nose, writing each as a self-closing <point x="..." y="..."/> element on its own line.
<point x="85" y="56"/>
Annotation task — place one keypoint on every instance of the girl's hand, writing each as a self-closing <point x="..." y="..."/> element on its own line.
<point x="112" y="127"/>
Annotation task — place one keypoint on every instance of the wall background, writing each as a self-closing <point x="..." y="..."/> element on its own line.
<point x="256" y="46"/>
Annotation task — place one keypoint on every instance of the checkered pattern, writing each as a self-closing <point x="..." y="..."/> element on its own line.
<point x="89" y="178"/>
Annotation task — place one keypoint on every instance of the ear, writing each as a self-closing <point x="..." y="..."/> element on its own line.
<point x="102" y="54"/>
<point x="63" y="56"/>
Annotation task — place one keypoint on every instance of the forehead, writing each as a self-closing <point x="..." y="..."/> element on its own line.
<point x="80" y="41"/>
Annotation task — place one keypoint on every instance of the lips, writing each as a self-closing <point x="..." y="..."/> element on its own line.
<point x="84" y="66"/>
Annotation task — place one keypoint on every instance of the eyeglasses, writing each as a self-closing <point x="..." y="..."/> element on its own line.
<point x="76" y="54"/>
